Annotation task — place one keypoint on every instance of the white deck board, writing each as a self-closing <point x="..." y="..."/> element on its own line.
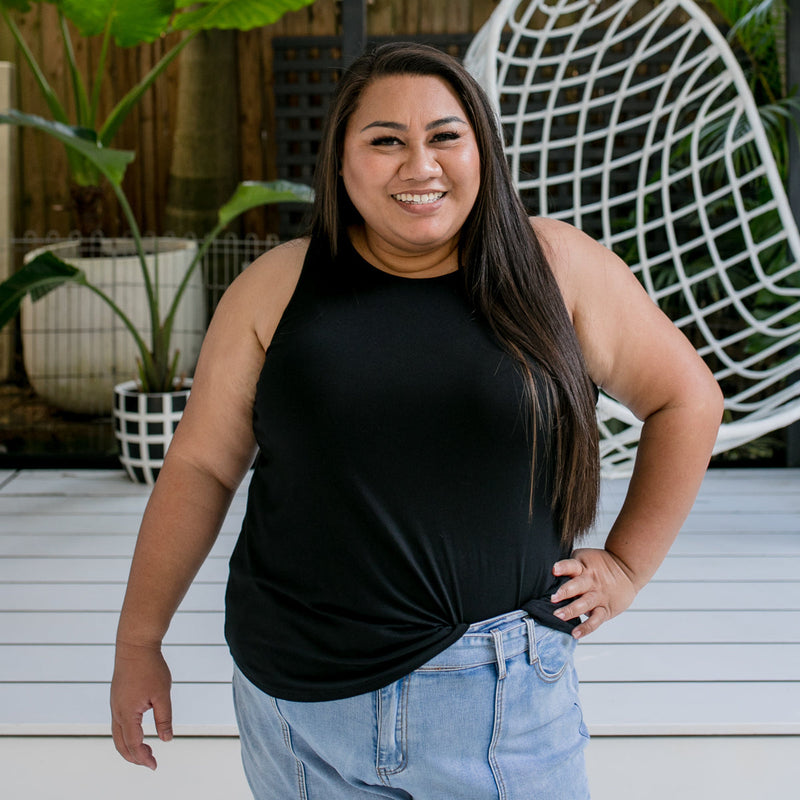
<point x="91" y="569"/>
<point x="710" y="647"/>
<point x="633" y="627"/>
<point x="597" y="663"/>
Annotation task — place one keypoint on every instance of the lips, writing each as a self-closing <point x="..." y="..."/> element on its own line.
<point x="418" y="199"/>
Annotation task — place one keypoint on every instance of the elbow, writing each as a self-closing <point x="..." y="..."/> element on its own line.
<point x="706" y="406"/>
<point x="714" y="401"/>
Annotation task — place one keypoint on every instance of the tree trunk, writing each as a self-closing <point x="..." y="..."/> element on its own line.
<point x="205" y="167"/>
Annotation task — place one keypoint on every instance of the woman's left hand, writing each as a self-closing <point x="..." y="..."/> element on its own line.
<point x="600" y="585"/>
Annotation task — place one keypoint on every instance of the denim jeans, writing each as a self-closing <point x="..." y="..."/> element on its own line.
<point x="495" y="715"/>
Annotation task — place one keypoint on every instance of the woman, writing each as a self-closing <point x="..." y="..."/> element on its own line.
<point x="404" y="598"/>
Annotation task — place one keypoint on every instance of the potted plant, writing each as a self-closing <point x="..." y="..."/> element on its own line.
<point x="82" y="383"/>
<point x="143" y="441"/>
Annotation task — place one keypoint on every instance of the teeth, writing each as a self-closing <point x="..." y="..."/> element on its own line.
<point x="419" y="199"/>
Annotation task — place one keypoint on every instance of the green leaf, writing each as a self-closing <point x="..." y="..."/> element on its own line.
<point x="252" y="194"/>
<point x="38" y="277"/>
<point x="132" y="21"/>
<point x="15" y="5"/>
<point x="111" y="163"/>
<point x="239" y="14"/>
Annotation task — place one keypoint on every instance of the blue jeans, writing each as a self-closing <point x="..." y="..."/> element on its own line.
<point x="496" y="715"/>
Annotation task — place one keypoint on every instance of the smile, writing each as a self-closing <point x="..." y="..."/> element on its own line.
<point x="419" y="199"/>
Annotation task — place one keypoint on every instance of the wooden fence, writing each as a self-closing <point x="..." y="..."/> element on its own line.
<point x="41" y="175"/>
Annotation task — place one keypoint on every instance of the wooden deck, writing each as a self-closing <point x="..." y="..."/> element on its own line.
<point x="710" y="648"/>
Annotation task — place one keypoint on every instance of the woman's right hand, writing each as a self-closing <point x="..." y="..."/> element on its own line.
<point x="141" y="682"/>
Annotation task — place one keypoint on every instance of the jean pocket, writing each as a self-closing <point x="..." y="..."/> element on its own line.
<point x="553" y="652"/>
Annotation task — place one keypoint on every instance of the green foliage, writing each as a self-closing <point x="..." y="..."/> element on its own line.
<point x="755" y="31"/>
<point x="41" y="276"/>
<point x="128" y="22"/>
<point x="232" y="14"/>
<point x="46" y="272"/>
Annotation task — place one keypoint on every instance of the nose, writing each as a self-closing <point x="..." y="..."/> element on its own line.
<point x="420" y="164"/>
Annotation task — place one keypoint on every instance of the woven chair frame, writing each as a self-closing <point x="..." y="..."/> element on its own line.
<point x="634" y="121"/>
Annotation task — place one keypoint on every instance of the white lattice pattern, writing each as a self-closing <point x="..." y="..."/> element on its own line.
<point x="634" y="121"/>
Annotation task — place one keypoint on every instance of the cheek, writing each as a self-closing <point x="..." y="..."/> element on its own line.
<point x="469" y="176"/>
<point x="467" y="167"/>
<point x="361" y="173"/>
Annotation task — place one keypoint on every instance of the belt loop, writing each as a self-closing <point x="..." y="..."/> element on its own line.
<point x="531" y="641"/>
<point x="501" y="656"/>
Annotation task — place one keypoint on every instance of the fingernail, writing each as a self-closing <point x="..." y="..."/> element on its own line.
<point x="577" y="634"/>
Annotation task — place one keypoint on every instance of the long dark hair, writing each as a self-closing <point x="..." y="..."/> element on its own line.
<point x="505" y="271"/>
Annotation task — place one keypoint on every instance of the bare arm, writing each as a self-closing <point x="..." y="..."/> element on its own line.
<point x="212" y="449"/>
<point x="638" y="357"/>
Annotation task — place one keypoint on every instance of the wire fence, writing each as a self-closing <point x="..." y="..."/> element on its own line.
<point x="60" y="359"/>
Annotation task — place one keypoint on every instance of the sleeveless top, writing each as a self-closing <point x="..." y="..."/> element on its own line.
<point x="389" y="506"/>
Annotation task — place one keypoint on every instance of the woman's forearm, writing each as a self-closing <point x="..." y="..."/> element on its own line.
<point x="673" y="455"/>
<point x="672" y="458"/>
<point x="179" y="528"/>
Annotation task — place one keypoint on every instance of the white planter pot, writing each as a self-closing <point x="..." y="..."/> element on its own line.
<point x="75" y="349"/>
<point x="144" y="425"/>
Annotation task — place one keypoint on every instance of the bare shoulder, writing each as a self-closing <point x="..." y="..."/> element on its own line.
<point x="277" y="266"/>
<point x="574" y="257"/>
<point x="263" y="290"/>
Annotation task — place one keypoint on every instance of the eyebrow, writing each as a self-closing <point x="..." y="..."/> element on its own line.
<point x="437" y="123"/>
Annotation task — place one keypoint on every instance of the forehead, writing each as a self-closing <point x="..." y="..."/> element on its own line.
<point x="405" y="99"/>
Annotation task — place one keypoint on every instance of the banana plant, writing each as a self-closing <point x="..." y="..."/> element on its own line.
<point x="755" y="29"/>
<point x="126" y="23"/>
<point x="156" y="359"/>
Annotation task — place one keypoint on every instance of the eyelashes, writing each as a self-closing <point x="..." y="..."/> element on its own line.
<point x="438" y="138"/>
<point x="384" y="141"/>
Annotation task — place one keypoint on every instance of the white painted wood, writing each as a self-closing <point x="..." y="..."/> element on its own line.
<point x="633" y="627"/>
<point x="734" y="595"/>
<point x="684" y="663"/>
<point x="730" y="544"/>
<point x="90" y="769"/>
<point x="692" y="709"/>
<point x="60" y="505"/>
<point x="694" y="627"/>
<point x="8" y="163"/>
<point x="740" y="595"/>
<point x="97" y="524"/>
<point x="596" y="663"/>
<point x="710" y="647"/>
<point x="731" y="568"/>
<point x="99" y="627"/>
<point x="634" y="709"/>
<point x="91" y="663"/>
<point x="87" y="569"/>
<point x="89" y="545"/>
<point x="655" y="768"/>
<point x="96" y="596"/>
<point x="81" y="709"/>
<point x="693" y="768"/>
<point x="71" y="483"/>
<point x="731" y="522"/>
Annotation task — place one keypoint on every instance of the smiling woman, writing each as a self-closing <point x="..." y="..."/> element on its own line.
<point x="417" y="378"/>
<point x="411" y="173"/>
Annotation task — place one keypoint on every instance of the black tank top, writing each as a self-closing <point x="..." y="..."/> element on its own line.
<point x="389" y="507"/>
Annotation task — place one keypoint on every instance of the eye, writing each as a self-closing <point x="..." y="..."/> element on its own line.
<point x="385" y="141"/>
<point x="446" y="136"/>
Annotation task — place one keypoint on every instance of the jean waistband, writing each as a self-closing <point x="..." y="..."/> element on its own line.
<point x="491" y="641"/>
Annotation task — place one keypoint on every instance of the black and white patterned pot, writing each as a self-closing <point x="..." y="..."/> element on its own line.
<point x="144" y="425"/>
